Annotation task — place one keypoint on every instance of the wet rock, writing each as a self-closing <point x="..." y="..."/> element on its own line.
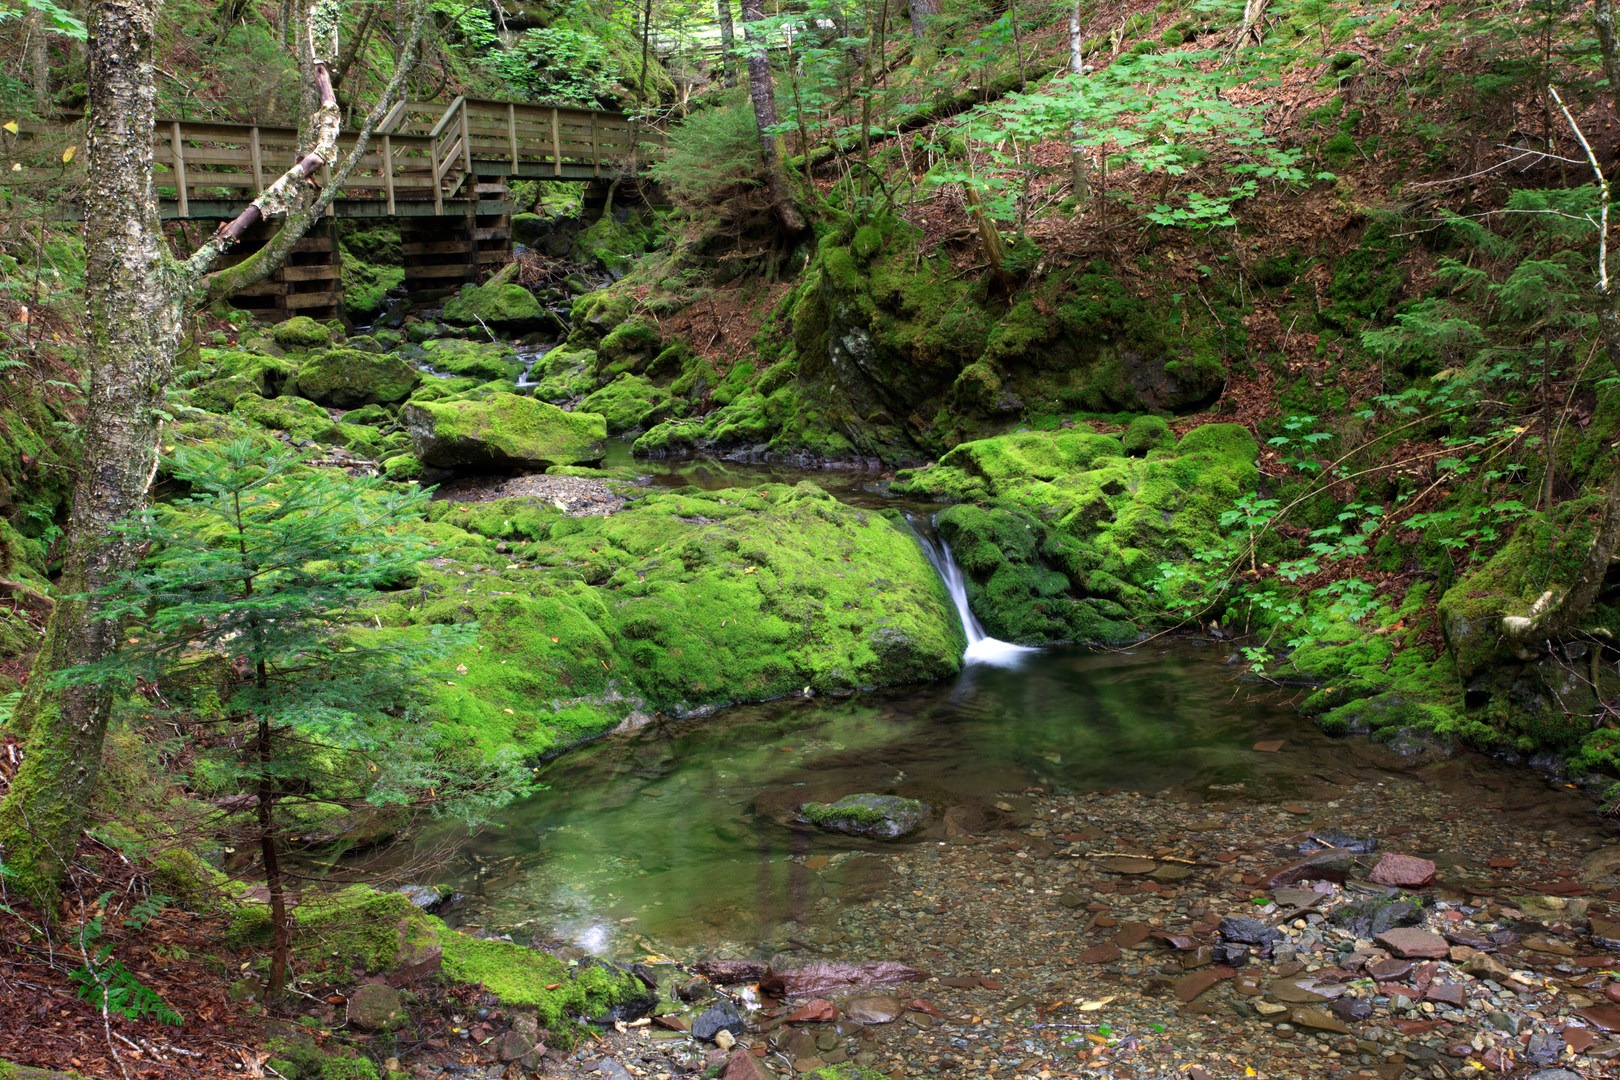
<point x="1351" y="1009"/>
<point x="426" y="897"/>
<point x="884" y="817"/>
<point x="814" y="1011"/>
<point x="1602" y="1017"/>
<point x="1413" y="944"/>
<point x="501" y="431"/>
<point x="375" y="1007"/>
<point x="1329" y="864"/>
<point x="1231" y="954"/>
<point x="817" y="978"/>
<point x="1337" y="838"/>
<point x="1320" y="1019"/>
<point x="742" y="1065"/>
<point x="1242" y="930"/>
<point x="721" y="1016"/>
<point x="728" y="972"/>
<point x="694" y="990"/>
<point x="1403" y="871"/>
<point x="872" y="1008"/>
<point x="1369" y="918"/>
<point x="1601" y="865"/>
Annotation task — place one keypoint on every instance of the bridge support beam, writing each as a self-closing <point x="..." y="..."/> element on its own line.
<point x="309" y="283"/>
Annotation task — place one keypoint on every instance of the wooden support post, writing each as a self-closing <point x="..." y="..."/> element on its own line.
<point x="556" y="144"/>
<point x="466" y="143"/>
<point x="177" y="144"/>
<point x="388" y="172"/>
<point x="511" y="135"/>
<point x="258" y="159"/>
<point x="433" y="174"/>
<point x="596" y="156"/>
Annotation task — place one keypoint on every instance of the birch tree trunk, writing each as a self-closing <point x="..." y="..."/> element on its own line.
<point x="136" y="297"/>
<point x="134" y="307"/>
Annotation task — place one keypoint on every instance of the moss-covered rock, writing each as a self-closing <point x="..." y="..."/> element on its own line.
<point x="681" y="600"/>
<point x="1063" y="537"/>
<point x="629" y="402"/>
<point x="304" y="420"/>
<point x="487" y="361"/>
<point x="1147" y="433"/>
<point x="501" y="431"/>
<point x="506" y="306"/>
<point x="347" y="378"/>
<point x="886" y="817"/>
<point x="301" y="332"/>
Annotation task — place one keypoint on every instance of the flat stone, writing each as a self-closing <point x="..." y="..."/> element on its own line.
<point x="1411" y="943"/>
<point x="1270" y="746"/>
<point x="1106" y="953"/>
<point x="1291" y="991"/>
<point x="1600" y="865"/>
<point x="1132" y="933"/>
<point x="872" y="1008"/>
<point x="1453" y="994"/>
<point x="1320" y="1019"/>
<point x="1389" y="970"/>
<point x="1127" y="864"/>
<point x="1602" y="1017"/>
<point x="1403" y="871"/>
<point x="1190" y="986"/>
<point x="1579" y="1039"/>
<point x="742" y="1065"/>
<point x="375" y="1007"/>
<point x="815" y="1011"/>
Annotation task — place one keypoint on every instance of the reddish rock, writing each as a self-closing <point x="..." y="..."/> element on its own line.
<point x="1106" y="953"/>
<point x="1403" y="871"/>
<point x="1603" y="1017"/>
<point x="1190" y="986"/>
<point x="1579" y="1039"/>
<point x="1452" y="994"/>
<point x="1411" y="943"/>
<point x="1387" y="970"/>
<point x="815" y="1011"/>
<point x="742" y="1065"/>
<point x="1132" y="933"/>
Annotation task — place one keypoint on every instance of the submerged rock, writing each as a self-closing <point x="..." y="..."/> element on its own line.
<point x="885" y="817"/>
<point x="501" y="431"/>
<point x="721" y="1016"/>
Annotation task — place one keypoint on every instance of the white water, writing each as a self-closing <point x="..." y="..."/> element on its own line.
<point x="981" y="648"/>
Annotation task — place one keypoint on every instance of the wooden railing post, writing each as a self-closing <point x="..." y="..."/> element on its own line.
<point x="556" y="144"/>
<point x="466" y="140"/>
<point x="177" y="144"/>
<point x="433" y="174"/>
<point x="388" y="171"/>
<point x="257" y="158"/>
<point x="511" y="133"/>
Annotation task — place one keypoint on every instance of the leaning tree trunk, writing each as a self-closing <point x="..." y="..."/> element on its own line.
<point x="134" y="331"/>
<point x="763" y="94"/>
<point x="136" y="296"/>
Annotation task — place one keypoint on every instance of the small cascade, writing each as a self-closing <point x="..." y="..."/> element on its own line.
<point x="530" y="358"/>
<point x="981" y="648"/>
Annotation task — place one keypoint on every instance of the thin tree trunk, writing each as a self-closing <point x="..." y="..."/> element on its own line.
<point x="1077" y="60"/>
<point x="728" y="44"/>
<point x="134" y="331"/>
<point x="763" y="94"/>
<point x="37" y="60"/>
<point x="1609" y="47"/>
<point x="1253" y="29"/>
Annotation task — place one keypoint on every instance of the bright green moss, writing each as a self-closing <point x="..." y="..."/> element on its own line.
<point x="561" y="994"/>
<point x="1147" y="433"/>
<point x="347" y="378"/>
<point x="301" y="332"/>
<point x="501" y="429"/>
<point x="628" y="402"/>
<point x="304" y="420"/>
<point x="486" y="361"/>
<point x="506" y="305"/>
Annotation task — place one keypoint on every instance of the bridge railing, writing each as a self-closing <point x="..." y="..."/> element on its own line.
<point x="408" y="160"/>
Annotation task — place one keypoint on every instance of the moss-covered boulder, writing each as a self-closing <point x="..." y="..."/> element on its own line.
<point x="218" y="395"/>
<point x="303" y="420"/>
<point x="629" y="402"/>
<point x="884" y="817"/>
<point x="679" y="601"/>
<point x="348" y="378"/>
<point x="301" y="332"/>
<point x="1064" y="537"/>
<point x="565" y="374"/>
<point x="487" y="361"/>
<point x="501" y="431"/>
<point x="268" y="374"/>
<point x="506" y="306"/>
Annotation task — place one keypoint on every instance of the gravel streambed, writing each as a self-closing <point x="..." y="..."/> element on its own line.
<point x="1126" y="935"/>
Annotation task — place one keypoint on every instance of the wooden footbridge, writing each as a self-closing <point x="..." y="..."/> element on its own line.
<point x="441" y="173"/>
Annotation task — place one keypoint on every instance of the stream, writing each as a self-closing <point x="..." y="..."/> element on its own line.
<point x="681" y="837"/>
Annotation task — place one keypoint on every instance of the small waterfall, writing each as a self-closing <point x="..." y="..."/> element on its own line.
<point x="981" y="648"/>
